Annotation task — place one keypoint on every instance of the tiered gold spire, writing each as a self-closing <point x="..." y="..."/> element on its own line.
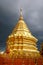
<point x="21" y="42"/>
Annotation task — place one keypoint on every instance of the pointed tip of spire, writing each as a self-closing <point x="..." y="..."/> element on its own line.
<point x="21" y="11"/>
<point x="21" y="16"/>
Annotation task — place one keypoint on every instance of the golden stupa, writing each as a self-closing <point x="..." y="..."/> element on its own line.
<point x="21" y="43"/>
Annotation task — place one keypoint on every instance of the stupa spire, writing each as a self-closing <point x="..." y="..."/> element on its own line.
<point x="21" y="15"/>
<point x="21" y="11"/>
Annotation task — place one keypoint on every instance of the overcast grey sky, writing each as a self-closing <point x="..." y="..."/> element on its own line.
<point x="9" y="15"/>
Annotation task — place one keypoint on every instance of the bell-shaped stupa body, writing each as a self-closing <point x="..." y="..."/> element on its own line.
<point x="21" y="43"/>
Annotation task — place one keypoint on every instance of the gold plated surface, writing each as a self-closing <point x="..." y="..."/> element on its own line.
<point x="21" y="43"/>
